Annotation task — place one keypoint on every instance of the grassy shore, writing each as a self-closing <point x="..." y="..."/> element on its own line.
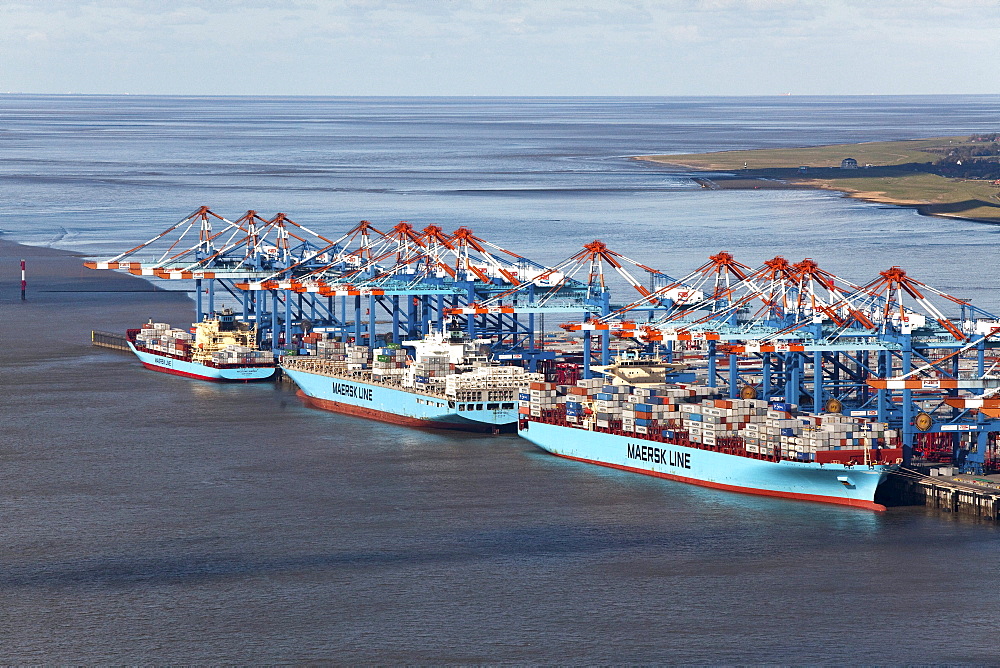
<point x="890" y="172"/>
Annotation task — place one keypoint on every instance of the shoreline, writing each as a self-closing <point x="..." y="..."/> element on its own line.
<point x="731" y="181"/>
<point x="65" y="301"/>
<point x="61" y="268"/>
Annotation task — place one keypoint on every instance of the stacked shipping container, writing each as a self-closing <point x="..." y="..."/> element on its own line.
<point x="161" y="337"/>
<point x="497" y="383"/>
<point x="686" y="411"/>
<point x="233" y="354"/>
<point x="389" y="362"/>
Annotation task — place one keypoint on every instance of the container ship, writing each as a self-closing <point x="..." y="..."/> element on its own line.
<point x="449" y="383"/>
<point x="219" y="349"/>
<point x="683" y="433"/>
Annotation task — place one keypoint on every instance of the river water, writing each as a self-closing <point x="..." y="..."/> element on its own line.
<point x="153" y="519"/>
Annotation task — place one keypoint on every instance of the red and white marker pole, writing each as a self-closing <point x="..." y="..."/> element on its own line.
<point x="24" y="282"/>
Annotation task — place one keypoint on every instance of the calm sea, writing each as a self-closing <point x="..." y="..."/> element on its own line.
<point x="153" y="519"/>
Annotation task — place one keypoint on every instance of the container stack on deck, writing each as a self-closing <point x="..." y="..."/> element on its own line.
<point x="161" y="337"/>
<point x="389" y="362"/>
<point x="242" y="355"/>
<point x="432" y="370"/>
<point x="320" y="345"/>
<point x="334" y="350"/>
<point x="685" y="413"/>
<point x="497" y="383"/>
<point x="711" y="420"/>
<point x="637" y="410"/>
<point x="830" y="432"/>
<point x="358" y="357"/>
<point x="539" y="399"/>
<point x="579" y="402"/>
<point x="609" y="405"/>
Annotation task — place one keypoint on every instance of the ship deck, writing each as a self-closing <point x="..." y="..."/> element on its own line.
<point x="327" y="368"/>
<point x="727" y="445"/>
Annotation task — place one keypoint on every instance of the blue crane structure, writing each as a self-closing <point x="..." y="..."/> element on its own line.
<point x="893" y="349"/>
<point x="887" y="350"/>
<point x="290" y="280"/>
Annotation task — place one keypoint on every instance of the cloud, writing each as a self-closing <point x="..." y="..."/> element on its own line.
<point x="484" y="46"/>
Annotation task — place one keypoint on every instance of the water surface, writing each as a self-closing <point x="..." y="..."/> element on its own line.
<point x="149" y="518"/>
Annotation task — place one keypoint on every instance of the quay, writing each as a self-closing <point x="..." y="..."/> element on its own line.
<point x="940" y="488"/>
<point x="109" y="340"/>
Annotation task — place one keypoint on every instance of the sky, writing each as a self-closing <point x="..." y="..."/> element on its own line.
<point x="500" y="47"/>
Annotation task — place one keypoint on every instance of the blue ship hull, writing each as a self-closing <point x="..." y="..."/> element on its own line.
<point x="180" y="367"/>
<point x="829" y="483"/>
<point x="399" y="405"/>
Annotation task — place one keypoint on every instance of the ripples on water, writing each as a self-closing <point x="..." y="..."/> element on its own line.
<point x="154" y="519"/>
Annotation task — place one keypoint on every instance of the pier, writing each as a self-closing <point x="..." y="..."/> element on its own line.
<point x="962" y="495"/>
<point x="109" y="340"/>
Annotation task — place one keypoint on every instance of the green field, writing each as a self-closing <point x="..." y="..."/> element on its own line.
<point x="874" y="153"/>
<point x="895" y="172"/>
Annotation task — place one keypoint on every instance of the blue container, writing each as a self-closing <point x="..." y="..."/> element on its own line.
<point x="787" y="431"/>
<point x="604" y="396"/>
<point x="643" y="422"/>
<point x="780" y="406"/>
<point x="695" y="417"/>
<point x="523" y="397"/>
<point x="645" y="408"/>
